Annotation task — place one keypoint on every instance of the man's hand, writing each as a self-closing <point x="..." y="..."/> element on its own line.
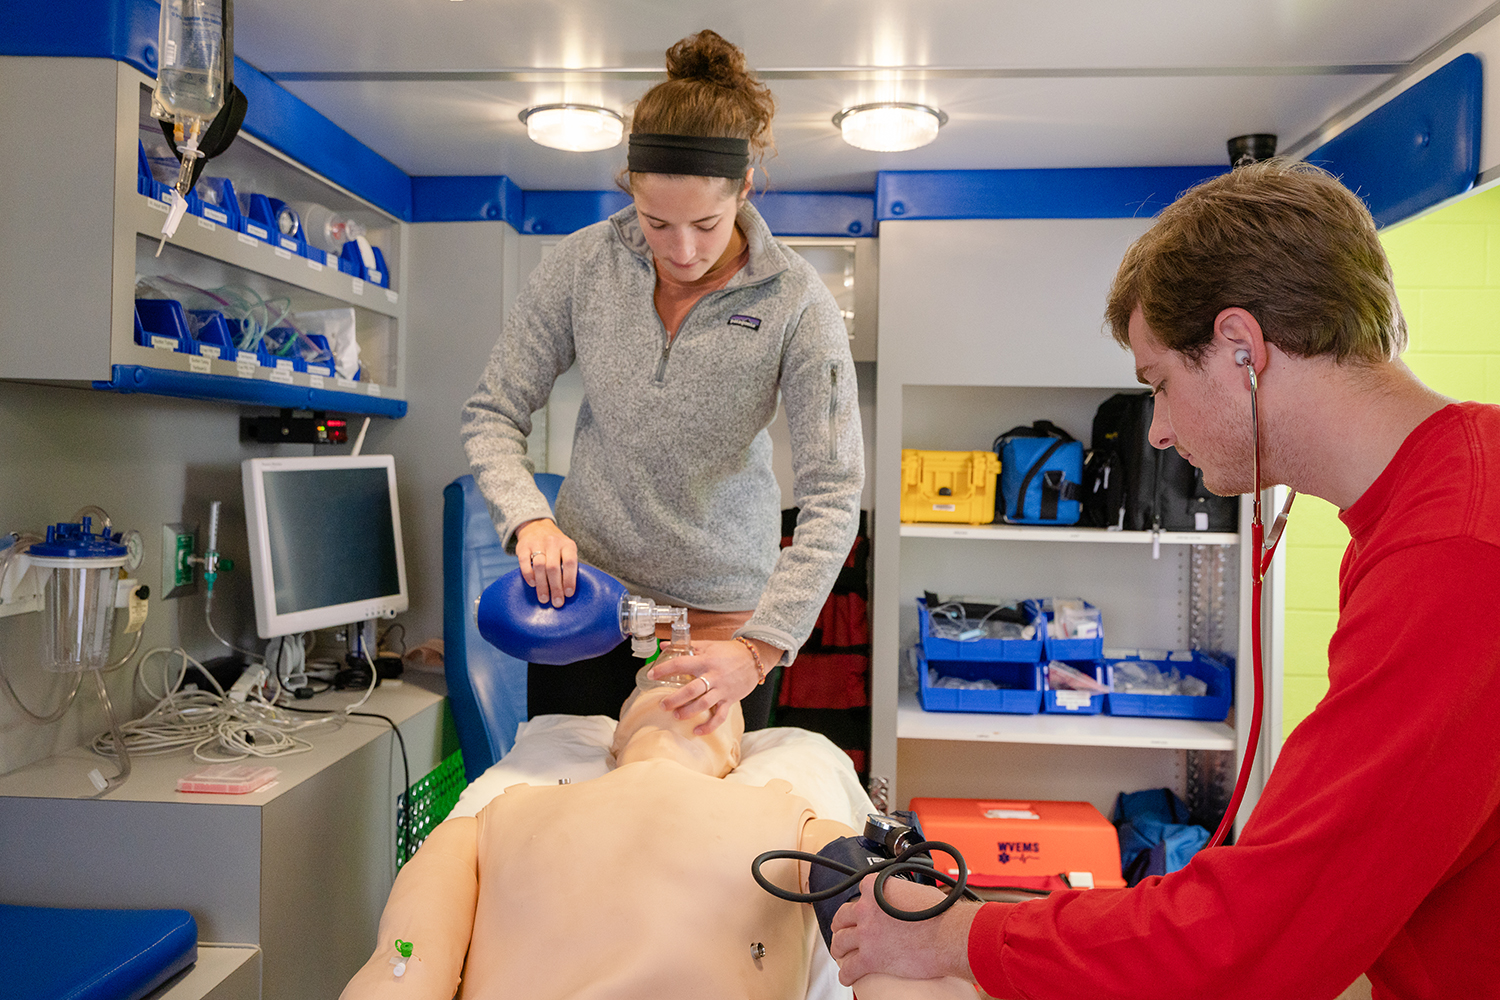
<point x="866" y="940"/>
<point x="549" y="560"/>
<point x="725" y="673"/>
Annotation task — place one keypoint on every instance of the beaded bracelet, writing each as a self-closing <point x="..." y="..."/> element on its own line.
<point x="760" y="671"/>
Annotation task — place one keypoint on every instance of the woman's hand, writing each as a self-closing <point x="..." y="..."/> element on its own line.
<point x="549" y="560"/>
<point x="725" y="673"/>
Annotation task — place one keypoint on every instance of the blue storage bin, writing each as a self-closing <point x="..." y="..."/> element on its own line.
<point x="1020" y="687"/>
<point x="292" y="242"/>
<point x="351" y="262"/>
<point x="257" y="219"/>
<point x="943" y="651"/>
<point x="163" y="193"/>
<point x="1071" y="702"/>
<point x="163" y="321"/>
<point x="278" y="335"/>
<point x="1213" y="706"/>
<point x="324" y="368"/>
<point x="1073" y="649"/>
<point x="217" y="201"/>
<point x="212" y="333"/>
<point x="144" y="183"/>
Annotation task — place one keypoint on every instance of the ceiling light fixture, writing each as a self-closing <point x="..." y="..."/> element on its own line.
<point x="889" y="126"/>
<point x="578" y="128"/>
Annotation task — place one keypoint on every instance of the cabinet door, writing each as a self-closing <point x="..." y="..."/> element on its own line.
<point x="1002" y="301"/>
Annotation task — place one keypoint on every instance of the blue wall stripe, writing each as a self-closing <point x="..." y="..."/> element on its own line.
<point x="818" y="213"/>
<point x="99" y="29"/>
<point x="278" y="117"/>
<point x="467" y="199"/>
<point x="560" y="212"/>
<point x="1416" y="150"/>
<point x="1077" y="193"/>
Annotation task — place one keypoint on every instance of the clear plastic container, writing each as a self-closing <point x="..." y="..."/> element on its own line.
<point x="324" y="228"/>
<point x="228" y="779"/>
<point x="190" y="75"/>
<point x="80" y="595"/>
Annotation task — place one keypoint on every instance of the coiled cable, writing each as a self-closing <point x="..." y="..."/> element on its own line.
<point x="906" y="862"/>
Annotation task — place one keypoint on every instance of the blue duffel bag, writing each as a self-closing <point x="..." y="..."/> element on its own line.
<point x="1041" y="474"/>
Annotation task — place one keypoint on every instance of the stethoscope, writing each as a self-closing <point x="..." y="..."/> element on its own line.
<point x="1264" y="548"/>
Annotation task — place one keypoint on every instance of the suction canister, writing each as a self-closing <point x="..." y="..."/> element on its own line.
<point x="80" y="594"/>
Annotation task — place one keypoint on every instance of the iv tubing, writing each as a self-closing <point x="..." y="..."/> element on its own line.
<point x="114" y="727"/>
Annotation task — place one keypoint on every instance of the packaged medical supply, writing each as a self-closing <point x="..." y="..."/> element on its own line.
<point x="1075" y="688"/>
<point x="948" y="486"/>
<point x="1075" y="629"/>
<point x="228" y="779"/>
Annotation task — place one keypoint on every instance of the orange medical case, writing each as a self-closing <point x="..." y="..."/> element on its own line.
<point x="1017" y="842"/>
<point x="949" y="485"/>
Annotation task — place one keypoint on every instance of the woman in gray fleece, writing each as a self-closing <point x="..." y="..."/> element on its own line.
<point x="688" y="321"/>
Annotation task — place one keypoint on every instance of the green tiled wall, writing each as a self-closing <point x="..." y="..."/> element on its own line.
<point x="1447" y="268"/>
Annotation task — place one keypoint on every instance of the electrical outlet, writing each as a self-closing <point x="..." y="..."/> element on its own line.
<point x="178" y="575"/>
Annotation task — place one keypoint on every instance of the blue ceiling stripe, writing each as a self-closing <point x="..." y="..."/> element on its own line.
<point x="467" y="199"/>
<point x="100" y="29"/>
<point x="1416" y="150"/>
<point x="1077" y="193"/>
<point x="559" y="212"/>
<point x="280" y="118"/>
<point x="818" y="213"/>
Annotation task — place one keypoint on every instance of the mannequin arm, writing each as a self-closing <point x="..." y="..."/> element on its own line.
<point x="816" y="834"/>
<point x="432" y="906"/>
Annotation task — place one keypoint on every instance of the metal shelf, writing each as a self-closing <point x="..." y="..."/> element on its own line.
<point x="248" y="253"/>
<point x="1041" y="533"/>
<point x="913" y="723"/>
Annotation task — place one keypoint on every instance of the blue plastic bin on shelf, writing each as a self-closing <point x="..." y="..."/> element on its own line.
<point x="942" y="651"/>
<point x="1073" y="649"/>
<point x="1019" y="689"/>
<point x="211" y="331"/>
<point x="352" y="262"/>
<point x="279" y="335"/>
<point x="323" y="368"/>
<point x="256" y="217"/>
<point x="292" y="243"/>
<point x="217" y="201"/>
<point x="1075" y="702"/>
<point x="1213" y="706"/>
<point x="144" y="183"/>
<point x="163" y="193"/>
<point x="164" y="325"/>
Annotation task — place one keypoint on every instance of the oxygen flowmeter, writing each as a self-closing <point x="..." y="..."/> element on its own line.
<point x="195" y="98"/>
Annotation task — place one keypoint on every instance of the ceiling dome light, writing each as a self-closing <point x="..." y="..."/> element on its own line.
<point x="578" y="128"/>
<point x="889" y="126"/>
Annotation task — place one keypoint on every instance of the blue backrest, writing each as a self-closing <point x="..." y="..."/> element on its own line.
<point x="486" y="688"/>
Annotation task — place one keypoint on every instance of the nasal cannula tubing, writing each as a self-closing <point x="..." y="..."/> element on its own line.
<point x="1263" y="549"/>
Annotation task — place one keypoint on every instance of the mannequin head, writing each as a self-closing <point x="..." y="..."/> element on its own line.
<point x="649" y="732"/>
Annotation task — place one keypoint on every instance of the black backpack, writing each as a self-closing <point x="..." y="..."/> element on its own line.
<point x="1129" y="484"/>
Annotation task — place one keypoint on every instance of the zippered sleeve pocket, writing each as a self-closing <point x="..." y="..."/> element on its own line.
<point x="833" y="410"/>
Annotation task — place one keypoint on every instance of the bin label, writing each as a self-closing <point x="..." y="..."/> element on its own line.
<point x="245" y="368"/>
<point x="198" y="364"/>
<point x="282" y="375"/>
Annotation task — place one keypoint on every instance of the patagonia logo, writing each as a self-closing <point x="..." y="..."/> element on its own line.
<point x="748" y="322"/>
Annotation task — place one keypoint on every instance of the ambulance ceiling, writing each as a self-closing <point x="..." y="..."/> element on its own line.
<point x="435" y="85"/>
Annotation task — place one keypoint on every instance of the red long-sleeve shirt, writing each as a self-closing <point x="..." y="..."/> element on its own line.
<point x="1375" y="846"/>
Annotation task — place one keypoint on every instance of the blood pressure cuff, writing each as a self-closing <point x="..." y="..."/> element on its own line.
<point x="860" y="853"/>
<point x="851" y="851"/>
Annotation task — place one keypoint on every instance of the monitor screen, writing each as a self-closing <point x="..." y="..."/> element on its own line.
<point x="325" y="541"/>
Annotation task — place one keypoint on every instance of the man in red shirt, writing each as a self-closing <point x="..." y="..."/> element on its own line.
<point x="1375" y="846"/>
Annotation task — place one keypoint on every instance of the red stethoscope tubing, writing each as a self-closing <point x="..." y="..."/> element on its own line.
<point x="1262" y="556"/>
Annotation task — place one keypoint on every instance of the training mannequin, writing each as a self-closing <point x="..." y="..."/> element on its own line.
<point x="633" y="884"/>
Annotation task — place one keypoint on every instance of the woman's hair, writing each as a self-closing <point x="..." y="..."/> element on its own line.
<point x="709" y="93"/>
<point x="1281" y="239"/>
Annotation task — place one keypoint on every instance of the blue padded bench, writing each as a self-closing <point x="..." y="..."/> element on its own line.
<point x="58" y="954"/>
<point x="486" y="688"/>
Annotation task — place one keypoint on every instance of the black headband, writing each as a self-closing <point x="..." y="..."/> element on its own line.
<point x="699" y="156"/>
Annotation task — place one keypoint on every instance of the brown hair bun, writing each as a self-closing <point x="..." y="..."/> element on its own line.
<point x="711" y="92"/>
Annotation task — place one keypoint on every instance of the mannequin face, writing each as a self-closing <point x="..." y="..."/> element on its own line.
<point x="688" y="221"/>
<point x="649" y="732"/>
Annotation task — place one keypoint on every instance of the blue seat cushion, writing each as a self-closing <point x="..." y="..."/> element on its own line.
<point x="60" y="954"/>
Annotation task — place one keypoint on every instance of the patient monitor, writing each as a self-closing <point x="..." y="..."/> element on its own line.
<point x="325" y="541"/>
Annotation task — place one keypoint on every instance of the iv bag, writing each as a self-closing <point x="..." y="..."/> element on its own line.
<point x="191" y="51"/>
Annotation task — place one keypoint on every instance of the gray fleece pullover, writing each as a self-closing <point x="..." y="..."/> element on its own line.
<point x="670" y="487"/>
